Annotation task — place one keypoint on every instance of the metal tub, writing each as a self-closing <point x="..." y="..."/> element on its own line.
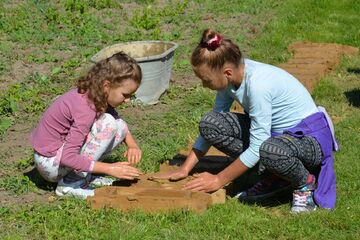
<point x="155" y="59"/>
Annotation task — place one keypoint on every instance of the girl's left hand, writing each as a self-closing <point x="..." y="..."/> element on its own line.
<point x="133" y="154"/>
<point x="204" y="182"/>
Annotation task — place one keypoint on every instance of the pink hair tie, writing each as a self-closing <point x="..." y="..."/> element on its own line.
<point x="214" y="43"/>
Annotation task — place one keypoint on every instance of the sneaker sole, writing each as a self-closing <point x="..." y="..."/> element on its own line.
<point x="61" y="194"/>
<point x="306" y="211"/>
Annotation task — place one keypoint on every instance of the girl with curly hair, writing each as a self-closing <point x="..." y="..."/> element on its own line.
<point x="82" y="125"/>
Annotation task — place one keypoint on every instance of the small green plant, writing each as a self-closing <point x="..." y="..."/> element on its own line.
<point x="82" y="5"/>
<point x="45" y="56"/>
<point x="174" y="10"/>
<point x="26" y="162"/>
<point x="3" y="68"/>
<point x="5" y="123"/>
<point x="75" y="6"/>
<point x="51" y="15"/>
<point x="102" y="4"/>
<point x="4" y="210"/>
<point x="17" y="184"/>
<point x="8" y="107"/>
<point x="147" y="19"/>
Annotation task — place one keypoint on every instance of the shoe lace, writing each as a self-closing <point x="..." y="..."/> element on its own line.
<point x="300" y="199"/>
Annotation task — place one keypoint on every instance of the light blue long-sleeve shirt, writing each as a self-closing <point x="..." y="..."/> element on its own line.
<point x="274" y="100"/>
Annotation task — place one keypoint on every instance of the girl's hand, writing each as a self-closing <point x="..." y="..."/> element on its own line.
<point x="204" y="182"/>
<point x="123" y="170"/>
<point x="133" y="154"/>
<point x="172" y="175"/>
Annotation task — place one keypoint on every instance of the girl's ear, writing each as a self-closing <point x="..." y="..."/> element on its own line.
<point x="106" y="86"/>
<point x="228" y="72"/>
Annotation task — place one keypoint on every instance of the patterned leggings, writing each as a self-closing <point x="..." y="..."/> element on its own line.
<point x="105" y="134"/>
<point x="286" y="156"/>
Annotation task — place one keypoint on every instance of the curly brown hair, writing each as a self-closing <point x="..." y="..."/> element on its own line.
<point x="115" y="69"/>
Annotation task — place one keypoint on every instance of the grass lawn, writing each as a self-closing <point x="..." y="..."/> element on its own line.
<point x="45" y="45"/>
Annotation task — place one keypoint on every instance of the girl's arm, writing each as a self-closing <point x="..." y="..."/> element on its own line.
<point x="122" y="170"/>
<point x="133" y="153"/>
<point x="260" y="114"/>
<point x="119" y="170"/>
<point x="185" y="168"/>
<point x="207" y="182"/>
<point x="223" y="102"/>
<point x="130" y="141"/>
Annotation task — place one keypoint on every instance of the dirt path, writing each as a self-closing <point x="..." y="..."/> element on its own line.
<point x="312" y="61"/>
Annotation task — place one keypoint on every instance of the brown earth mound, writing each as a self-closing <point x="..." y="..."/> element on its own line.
<point x="310" y="62"/>
<point x="153" y="195"/>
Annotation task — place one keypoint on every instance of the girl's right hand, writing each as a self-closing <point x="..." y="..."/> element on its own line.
<point x="133" y="154"/>
<point x="123" y="170"/>
<point x="174" y="175"/>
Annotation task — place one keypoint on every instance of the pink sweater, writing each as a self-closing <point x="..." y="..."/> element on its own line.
<point x="66" y="122"/>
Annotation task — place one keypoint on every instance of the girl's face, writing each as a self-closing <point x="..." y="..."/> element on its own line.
<point x="119" y="94"/>
<point x="213" y="79"/>
<point x="219" y="79"/>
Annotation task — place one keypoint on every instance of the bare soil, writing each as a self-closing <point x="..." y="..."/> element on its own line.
<point x="312" y="61"/>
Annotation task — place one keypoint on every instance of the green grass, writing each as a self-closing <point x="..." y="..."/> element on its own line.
<point x="81" y="28"/>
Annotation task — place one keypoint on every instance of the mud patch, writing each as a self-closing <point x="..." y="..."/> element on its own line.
<point x="149" y="194"/>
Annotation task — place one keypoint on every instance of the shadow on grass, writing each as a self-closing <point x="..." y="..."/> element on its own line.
<point x="279" y="199"/>
<point x="354" y="70"/>
<point x="215" y="164"/>
<point x="39" y="181"/>
<point x="353" y="96"/>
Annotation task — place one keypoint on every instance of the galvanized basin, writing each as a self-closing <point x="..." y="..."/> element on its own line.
<point x="155" y="59"/>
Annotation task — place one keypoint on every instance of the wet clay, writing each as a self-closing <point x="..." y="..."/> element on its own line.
<point x="149" y="194"/>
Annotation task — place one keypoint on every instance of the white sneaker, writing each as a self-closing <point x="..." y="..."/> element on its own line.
<point x="78" y="189"/>
<point x="98" y="181"/>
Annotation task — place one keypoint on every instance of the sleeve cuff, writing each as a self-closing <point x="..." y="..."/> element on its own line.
<point x="91" y="167"/>
<point x="201" y="144"/>
<point x="249" y="158"/>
